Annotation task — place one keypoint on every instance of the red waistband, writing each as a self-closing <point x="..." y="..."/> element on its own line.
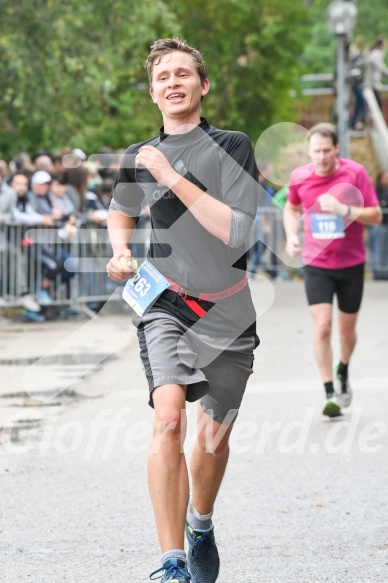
<point x="208" y="297"/>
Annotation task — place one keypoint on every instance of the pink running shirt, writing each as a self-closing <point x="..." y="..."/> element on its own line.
<point x="329" y="241"/>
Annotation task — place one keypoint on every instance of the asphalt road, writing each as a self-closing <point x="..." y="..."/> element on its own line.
<point x="304" y="499"/>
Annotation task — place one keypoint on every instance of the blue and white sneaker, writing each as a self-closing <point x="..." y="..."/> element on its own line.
<point x="175" y="571"/>
<point x="202" y="555"/>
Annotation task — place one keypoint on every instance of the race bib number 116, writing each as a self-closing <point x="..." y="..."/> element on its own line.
<point x="326" y="226"/>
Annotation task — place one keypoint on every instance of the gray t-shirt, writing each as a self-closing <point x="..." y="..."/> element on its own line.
<point x="219" y="162"/>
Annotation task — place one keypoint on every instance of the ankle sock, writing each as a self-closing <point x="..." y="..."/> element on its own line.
<point x="343" y="370"/>
<point x="329" y="388"/>
<point x="173" y="554"/>
<point x="197" y="520"/>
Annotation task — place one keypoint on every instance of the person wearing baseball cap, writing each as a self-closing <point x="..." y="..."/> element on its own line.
<point x="40" y="177"/>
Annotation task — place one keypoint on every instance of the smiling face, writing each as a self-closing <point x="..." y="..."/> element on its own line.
<point x="177" y="90"/>
<point x="323" y="154"/>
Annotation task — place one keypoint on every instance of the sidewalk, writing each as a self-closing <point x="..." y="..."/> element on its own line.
<point x="304" y="497"/>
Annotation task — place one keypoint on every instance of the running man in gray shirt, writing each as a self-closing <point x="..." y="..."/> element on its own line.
<point x="197" y="339"/>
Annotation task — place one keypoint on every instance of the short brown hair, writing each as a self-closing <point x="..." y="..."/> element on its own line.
<point x="164" y="46"/>
<point x="328" y="130"/>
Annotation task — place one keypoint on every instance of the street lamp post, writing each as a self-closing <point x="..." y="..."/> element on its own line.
<point x="341" y="20"/>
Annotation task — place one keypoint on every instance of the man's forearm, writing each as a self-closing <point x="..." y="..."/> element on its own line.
<point x="214" y="215"/>
<point x="370" y="215"/>
<point x="120" y="229"/>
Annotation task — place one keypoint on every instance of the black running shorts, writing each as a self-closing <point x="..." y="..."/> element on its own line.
<point x="347" y="284"/>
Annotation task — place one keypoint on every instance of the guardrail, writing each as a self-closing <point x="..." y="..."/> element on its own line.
<point x="56" y="270"/>
<point x="318" y="78"/>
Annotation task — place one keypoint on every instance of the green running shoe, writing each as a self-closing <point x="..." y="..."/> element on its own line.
<point x="175" y="571"/>
<point x="202" y="556"/>
<point x="332" y="407"/>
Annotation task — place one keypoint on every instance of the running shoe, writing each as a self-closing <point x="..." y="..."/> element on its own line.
<point x="202" y="556"/>
<point x="175" y="571"/>
<point x="345" y="392"/>
<point x="332" y="407"/>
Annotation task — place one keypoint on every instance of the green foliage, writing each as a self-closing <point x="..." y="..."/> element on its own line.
<point x="71" y="72"/>
<point x="251" y="48"/>
<point x="371" y="22"/>
<point x="320" y="47"/>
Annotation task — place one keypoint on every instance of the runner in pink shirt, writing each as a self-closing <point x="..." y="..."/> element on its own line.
<point x="337" y="198"/>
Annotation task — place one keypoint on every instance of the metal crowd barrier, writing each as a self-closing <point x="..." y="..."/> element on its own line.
<point x="72" y="271"/>
<point x="267" y="243"/>
<point x="76" y="268"/>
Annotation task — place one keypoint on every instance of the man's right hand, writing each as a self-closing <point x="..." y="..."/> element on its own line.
<point x="293" y="247"/>
<point x="120" y="267"/>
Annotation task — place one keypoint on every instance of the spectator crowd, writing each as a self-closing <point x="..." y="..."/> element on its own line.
<point x="58" y="192"/>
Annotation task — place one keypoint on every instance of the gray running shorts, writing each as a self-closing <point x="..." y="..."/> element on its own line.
<point x="216" y="376"/>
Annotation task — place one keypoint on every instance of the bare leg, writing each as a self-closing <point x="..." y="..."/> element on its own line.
<point x="322" y="315"/>
<point x="167" y="472"/>
<point x="348" y="336"/>
<point x="208" y="461"/>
